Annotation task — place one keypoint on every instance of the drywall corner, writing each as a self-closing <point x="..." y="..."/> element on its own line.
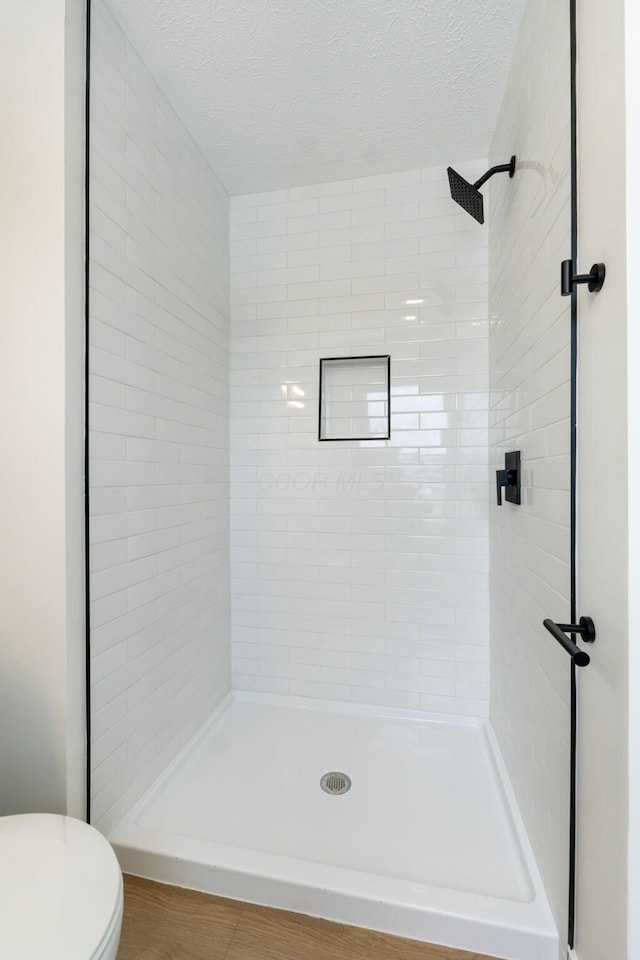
<point x="42" y="293"/>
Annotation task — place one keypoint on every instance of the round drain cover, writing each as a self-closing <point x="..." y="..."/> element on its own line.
<point x="335" y="782"/>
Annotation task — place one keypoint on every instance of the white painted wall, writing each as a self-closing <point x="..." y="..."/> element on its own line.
<point x="632" y="98"/>
<point x="41" y="347"/>
<point x="603" y="794"/>
<point x="159" y="429"/>
<point x="529" y="231"/>
<point x="360" y="568"/>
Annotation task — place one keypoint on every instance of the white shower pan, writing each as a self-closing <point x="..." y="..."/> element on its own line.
<point x="427" y="843"/>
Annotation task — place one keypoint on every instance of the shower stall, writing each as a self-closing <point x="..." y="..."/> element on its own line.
<point x="319" y="674"/>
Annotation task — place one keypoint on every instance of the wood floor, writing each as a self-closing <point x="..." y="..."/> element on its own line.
<point x="168" y="923"/>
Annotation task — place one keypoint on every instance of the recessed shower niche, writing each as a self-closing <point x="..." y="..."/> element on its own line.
<point x="355" y="398"/>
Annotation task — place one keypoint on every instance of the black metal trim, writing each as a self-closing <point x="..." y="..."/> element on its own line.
<point x="571" y="921"/>
<point x="87" y="263"/>
<point x="574" y="464"/>
<point x="373" y="356"/>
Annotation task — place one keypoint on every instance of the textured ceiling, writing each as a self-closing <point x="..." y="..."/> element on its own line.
<point x="287" y="92"/>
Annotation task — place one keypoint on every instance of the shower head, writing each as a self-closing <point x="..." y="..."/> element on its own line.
<point x="468" y="195"/>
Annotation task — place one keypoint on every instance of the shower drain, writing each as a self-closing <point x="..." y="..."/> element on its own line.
<point x="335" y="782"/>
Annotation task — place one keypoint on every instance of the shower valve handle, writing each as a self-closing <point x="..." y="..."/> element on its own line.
<point x="504" y="478"/>
<point x="509" y="478"/>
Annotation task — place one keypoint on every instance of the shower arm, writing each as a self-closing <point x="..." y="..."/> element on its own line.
<point x="509" y="168"/>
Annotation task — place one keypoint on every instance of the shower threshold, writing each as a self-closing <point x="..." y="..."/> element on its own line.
<point x="426" y="843"/>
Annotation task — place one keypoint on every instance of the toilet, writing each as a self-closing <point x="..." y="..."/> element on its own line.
<point x="60" y="890"/>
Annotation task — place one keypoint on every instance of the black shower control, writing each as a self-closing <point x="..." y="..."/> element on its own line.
<point x="509" y="478"/>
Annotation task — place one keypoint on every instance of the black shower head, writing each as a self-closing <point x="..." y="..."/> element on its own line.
<point x="468" y="194"/>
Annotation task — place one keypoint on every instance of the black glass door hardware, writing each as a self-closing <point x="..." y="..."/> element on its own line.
<point x="586" y="629"/>
<point x="568" y="279"/>
<point x="509" y="478"/>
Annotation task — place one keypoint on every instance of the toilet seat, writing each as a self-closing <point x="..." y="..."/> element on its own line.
<point x="60" y="889"/>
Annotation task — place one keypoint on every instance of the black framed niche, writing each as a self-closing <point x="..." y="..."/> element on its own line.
<point x="355" y="398"/>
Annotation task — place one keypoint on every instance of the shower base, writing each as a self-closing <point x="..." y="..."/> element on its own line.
<point x="426" y="843"/>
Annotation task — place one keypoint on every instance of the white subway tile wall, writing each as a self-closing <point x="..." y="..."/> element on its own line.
<point x="159" y="429"/>
<point x="360" y="569"/>
<point x="530" y="373"/>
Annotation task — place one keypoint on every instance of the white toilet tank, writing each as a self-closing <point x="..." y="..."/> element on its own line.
<point x="60" y="890"/>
